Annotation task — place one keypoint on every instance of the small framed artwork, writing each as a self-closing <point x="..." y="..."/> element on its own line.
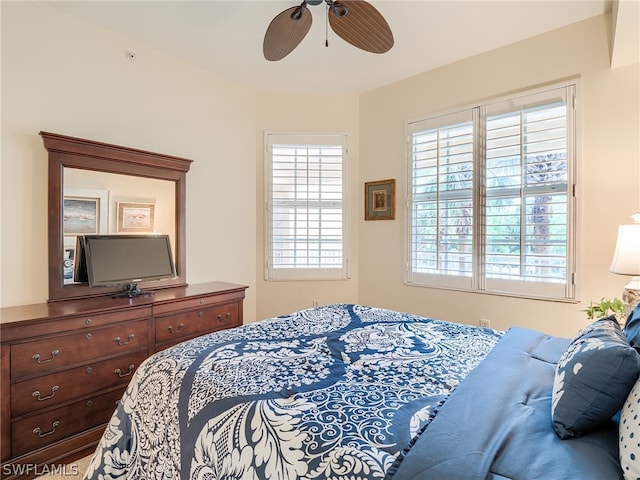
<point x="85" y="211"/>
<point x="379" y="200"/>
<point x="68" y="262"/>
<point x="135" y="217"/>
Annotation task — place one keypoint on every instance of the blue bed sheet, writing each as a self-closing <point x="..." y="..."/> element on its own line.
<point x="497" y="424"/>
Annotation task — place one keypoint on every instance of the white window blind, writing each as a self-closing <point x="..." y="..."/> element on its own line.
<point x="491" y="197"/>
<point x="442" y="194"/>
<point x="306" y="207"/>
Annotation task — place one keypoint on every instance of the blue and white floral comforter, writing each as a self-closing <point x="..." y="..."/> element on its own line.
<point x="335" y="392"/>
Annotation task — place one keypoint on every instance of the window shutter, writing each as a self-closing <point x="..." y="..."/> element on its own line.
<point x="527" y="180"/>
<point x="306" y="207"/>
<point x="491" y="201"/>
<point x="442" y="200"/>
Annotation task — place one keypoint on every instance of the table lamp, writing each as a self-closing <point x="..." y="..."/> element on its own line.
<point x="626" y="261"/>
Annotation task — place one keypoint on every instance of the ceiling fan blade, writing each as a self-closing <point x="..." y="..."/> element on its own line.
<point x="361" y="24"/>
<point x="285" y="32"/>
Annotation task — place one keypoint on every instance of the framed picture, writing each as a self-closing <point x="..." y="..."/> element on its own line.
<point x="68" y="262"/>
<point x="135" y="217"/>
<point x="85" y="211"/>
<point x="68" y="259"/>
<point x="379" y="200"/>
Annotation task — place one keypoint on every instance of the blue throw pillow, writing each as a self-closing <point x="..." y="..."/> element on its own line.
<point x="632" y="328"/>
<point x="593" y="378"/>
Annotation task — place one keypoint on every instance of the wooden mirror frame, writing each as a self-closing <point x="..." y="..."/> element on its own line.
<point x="65" y="151"/>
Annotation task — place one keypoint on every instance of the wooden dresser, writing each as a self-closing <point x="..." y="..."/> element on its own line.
<point x="66" y="364"/>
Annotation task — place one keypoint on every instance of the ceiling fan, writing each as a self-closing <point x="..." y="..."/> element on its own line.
<point x="355" y="21"/>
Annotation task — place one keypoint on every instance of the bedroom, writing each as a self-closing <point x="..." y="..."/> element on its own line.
<point x="53" y="82"/>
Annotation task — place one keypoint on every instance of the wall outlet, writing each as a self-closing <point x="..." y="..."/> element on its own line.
<point x="316" y="302"/>
<point x="485" y="323"/>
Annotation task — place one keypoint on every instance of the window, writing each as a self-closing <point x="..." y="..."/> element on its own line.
<point x="306" y="207"/>
<point x="492" y="197"/>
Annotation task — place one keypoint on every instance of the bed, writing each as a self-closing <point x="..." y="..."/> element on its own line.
<point x="354" y="392"/>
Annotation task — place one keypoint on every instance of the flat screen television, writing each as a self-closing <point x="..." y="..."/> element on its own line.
<point x="123" y="260"/>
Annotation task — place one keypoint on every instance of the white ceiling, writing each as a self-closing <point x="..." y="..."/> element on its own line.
<point x="225" y="37"/>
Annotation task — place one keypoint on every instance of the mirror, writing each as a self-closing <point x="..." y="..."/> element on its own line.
<point x="100" y="188"/>
<point x="109" y="203"/>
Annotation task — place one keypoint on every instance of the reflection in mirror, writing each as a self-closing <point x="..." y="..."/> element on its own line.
<point x="108" y="203"/>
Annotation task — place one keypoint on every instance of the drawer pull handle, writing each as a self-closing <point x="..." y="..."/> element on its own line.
<point x="178" y="330"/>
<point x="38" y="430"/>
<point x="200" y="313"/>
<point x="36" y="394"/>
<point x="122" y="375"/>
<point x="36" y="356"/>
<point x="130" y="338"/>
<point x="87" y="321"/>
<point x="220" y="317"/>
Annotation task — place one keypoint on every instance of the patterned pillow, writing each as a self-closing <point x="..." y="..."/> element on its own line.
<point x="632" y="328"/>
<point x="630" y="435"/>
<point x="593" y="378"/>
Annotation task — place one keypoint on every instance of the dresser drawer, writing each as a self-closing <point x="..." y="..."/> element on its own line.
<point x="173" y="328"/>
<point x="73" y="321"/>
<point x="53" y="353"/>
<point x="49" y="390"/>
<point x="46" y="428"/>
<point x="199" y="301"/>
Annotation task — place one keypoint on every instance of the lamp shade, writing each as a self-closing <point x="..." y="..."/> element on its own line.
<point x="626" y="258"/>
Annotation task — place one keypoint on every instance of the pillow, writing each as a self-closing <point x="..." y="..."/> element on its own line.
<point x="593" y="378"/>
<point x="632" y="328"/>
<point x="630" y="435"/>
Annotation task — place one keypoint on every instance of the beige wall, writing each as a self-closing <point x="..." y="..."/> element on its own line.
<point x="335" y="113"/>
<point x="64" y="75"/>
<point x="609" y="163"/>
